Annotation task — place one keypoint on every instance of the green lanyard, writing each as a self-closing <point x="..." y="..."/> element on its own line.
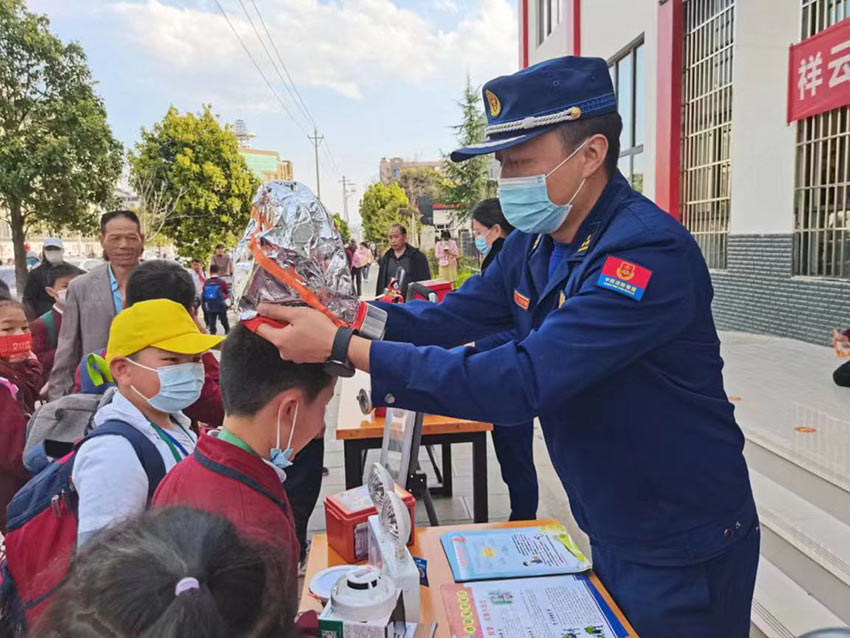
<point x="229" y="437"/>
<point x="171" y="442"/>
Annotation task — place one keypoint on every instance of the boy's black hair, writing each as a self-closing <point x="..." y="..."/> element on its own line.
<point x="161" y="279"/>
<point x="61" y="271"/>
<point x="213" y="269"/>
<point x="252" y="374"/>
<point x="115" y="214"/>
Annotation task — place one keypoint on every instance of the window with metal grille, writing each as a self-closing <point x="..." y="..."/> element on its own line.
<point x="707" y="124"/>
<point x="627" y="75"/>
<point x="822" y="185"/>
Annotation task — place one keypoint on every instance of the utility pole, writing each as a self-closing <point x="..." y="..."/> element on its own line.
<point x="316" y="139"/>
<point x="346" y="191"/>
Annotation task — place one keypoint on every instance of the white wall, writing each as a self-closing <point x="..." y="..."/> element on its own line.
<point x="555" y="45"/>
<point x="604" y="37"/>
<point x="763" y="153"/>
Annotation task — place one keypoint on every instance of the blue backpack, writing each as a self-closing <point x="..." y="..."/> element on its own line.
<point x="213" y="296"/>
<point x="42" y="528"/>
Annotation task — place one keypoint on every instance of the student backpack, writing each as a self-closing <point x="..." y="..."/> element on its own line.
<point x="213" y="295"/>
<point x="41" y="541"/>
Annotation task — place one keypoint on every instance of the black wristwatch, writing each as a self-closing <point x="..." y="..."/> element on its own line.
<point x="338" y="364"/>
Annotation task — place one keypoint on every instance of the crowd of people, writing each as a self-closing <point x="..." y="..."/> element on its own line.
<point x="183" y="449"/>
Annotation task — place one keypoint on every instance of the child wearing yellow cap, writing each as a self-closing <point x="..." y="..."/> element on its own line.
<point x="154" y="355"/>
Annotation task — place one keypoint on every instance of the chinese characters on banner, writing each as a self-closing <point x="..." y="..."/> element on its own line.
<point x="819" y="72"/>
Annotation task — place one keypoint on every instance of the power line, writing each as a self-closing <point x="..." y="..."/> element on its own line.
<point x="300" y="100"/>
<point x="293" y="92"/>
<point x="259" y="70"/>
<point x="274" y="66"/>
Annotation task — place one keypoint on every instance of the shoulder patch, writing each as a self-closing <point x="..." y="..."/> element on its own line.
<point x="521" y="300"/>
<point x="624" y="277"/>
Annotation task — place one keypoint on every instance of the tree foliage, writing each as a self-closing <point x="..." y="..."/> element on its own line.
<point x="201" y="189"/>
<point x="467" y="183"/>
<point x="342" y="227"/>
<point x="380" y="208"/>
<point x="58" y="158"/>
<point x="421" y="181"/>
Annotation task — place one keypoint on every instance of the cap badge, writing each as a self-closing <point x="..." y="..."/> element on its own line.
<point x="493" y="101"/>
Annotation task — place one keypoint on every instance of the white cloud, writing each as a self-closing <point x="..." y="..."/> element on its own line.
<point x="347" y="46"/>
<point x="449" y="6"/>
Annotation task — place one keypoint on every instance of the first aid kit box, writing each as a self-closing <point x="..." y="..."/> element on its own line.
<point x="346" y="519"/>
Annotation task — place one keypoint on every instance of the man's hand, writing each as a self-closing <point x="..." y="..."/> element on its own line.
<point x="308" y="338"/>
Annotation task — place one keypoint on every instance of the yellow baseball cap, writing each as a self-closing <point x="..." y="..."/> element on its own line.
<point x="160" y="323"/>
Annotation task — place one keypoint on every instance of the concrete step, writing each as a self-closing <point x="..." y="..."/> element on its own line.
<point x="805" y="542"/>
<point x="782" y="609"/>
<point x="814" y="482"/>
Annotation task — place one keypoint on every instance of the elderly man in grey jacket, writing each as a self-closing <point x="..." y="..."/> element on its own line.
<point x="95" y="298"/>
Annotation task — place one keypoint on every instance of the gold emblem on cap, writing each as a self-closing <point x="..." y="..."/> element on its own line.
<point x="575" y="113"/>
<point x="493" y="101"/>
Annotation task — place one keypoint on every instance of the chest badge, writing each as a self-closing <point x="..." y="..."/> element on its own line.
<point x="521" y="300"/>
<point x="624" y="277"/>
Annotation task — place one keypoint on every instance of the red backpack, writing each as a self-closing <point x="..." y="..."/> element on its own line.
<point x="42" y="528"/>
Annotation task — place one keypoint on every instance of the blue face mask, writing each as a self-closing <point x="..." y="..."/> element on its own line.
<point x="481" y="245"/>
<point x="526" y="204"/>
<point x="179" y="386"/>
<point x="282" y="459"/>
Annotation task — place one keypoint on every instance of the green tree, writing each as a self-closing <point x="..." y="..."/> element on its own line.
<point x="421" y="181"/>
<point x="380" y="208"/>
<point x="467" y="183"/>
<point x="342" y="227"/>
<point x="194" y="185"/>
<point x="58" y="158"/>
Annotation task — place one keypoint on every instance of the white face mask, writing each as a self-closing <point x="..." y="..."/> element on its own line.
<point x="282" y="459"/>
<point x="62" y="294"/>
<point x="54" y="257"/>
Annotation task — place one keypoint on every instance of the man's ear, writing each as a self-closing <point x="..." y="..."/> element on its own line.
<point x="594" y="153"/>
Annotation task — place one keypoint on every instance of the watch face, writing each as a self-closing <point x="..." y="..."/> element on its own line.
<point x="338" y="368"/>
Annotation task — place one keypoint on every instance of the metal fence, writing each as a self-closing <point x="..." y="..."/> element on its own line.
<point x="707" y="124"/>
<point x="822" y="185"/>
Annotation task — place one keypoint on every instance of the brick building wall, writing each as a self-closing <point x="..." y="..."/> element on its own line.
<point x="757" y="293"/>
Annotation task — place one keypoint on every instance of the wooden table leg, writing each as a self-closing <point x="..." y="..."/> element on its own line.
<point x="479" y="478"/>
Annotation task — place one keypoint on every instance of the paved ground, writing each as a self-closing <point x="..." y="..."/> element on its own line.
<point x="776" y="385"/>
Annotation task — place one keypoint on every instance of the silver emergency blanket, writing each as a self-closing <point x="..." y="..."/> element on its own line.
<point x="297" y="232"/>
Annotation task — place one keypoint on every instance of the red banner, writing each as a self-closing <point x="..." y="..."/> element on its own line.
<point x="819" y="72"/>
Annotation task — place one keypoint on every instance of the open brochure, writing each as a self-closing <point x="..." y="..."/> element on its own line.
<point x="571" y="606"/>
<point x="515" y="552"/>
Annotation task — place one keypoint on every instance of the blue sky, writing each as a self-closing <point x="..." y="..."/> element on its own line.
<point x="380" y="77"/>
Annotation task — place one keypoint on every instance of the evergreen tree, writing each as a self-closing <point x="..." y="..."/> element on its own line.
<point x="467" y="183"/>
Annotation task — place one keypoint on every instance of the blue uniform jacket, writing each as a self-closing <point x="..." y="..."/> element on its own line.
<point x="629" y="392"/>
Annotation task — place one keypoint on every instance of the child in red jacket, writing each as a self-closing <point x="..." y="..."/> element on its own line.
<point x="20" y="382"/>
<point x="45" y="329"/>
<point x="272" y="409"/>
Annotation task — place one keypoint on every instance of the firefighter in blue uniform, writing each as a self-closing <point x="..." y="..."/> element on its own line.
<point x="616" y="353"/>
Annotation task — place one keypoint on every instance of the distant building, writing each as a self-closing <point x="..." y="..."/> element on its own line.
<point x="390" y="168"/>
<point x="266" y="165"/>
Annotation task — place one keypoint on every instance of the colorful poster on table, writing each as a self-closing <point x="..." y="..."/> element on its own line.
<point x="571" y="606"/>
<point x="516" y="552"/>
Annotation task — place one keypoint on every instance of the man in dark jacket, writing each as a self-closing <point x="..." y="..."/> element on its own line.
<point x="36" y="299"/>
<point x="401" y="256"/>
